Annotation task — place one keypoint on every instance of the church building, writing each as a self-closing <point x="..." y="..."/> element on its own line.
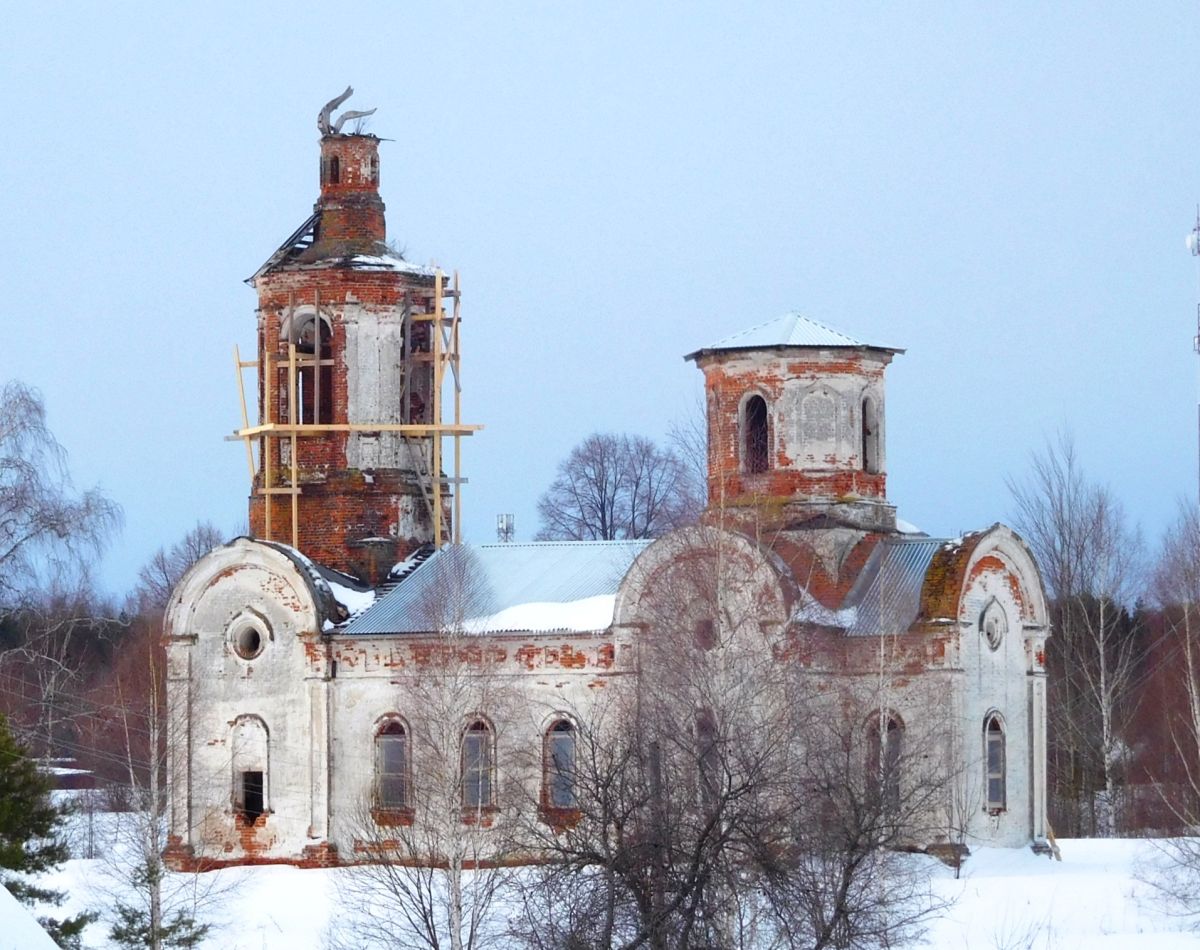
<point x="320" y="670"/>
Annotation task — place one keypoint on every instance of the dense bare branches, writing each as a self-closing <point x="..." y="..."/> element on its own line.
<point x="46" y="529"/>
<point x="1091" y="560"/>
<point x="614" y="487"/>
<point x="723" y="800"/>
<point x="433" y="875"/>
<point x="162" y="572"/>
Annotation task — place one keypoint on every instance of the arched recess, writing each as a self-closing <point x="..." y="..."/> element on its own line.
<point x="755" y="430"/>
<point x="995" y="764"/>
<point x="869" y="421"/>
<point x="312" y="335"/>
<point x="478" y="765"/>
<point x="885" y="758"/>
<point x="250" y="754"/>
<point x="393" y="765"/>
<point x="559" y="748"/>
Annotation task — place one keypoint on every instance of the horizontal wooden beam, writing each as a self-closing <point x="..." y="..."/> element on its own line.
<point x="300" y="429"/>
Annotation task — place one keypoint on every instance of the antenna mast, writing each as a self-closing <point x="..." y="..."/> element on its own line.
<point x="1193" y="244"/>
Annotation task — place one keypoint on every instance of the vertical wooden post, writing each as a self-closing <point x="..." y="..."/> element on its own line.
<point x="456" y="528"/>
<point x="317" y="354"/>
<point x="265" y="444"/>
<point x="435" y="469"/>
<point x="292" y="418"/>
<point x="237" y="363"/>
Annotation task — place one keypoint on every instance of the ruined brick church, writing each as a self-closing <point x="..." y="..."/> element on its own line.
<point x="293" y="654"/>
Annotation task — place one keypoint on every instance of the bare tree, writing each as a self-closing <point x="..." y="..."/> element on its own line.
<point x="46" y="529"/>
<point x="720" y="799"/>
<point x="147" y="905"/>
<point x="1174" y="871"/>
<point x="437" y="835"/>
<point x="1091" y="561"/>
<point x="616" y="486"/>
<point x="158" y="577"/>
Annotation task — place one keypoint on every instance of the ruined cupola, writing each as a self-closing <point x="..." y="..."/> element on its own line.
<point x="796" y="424"/>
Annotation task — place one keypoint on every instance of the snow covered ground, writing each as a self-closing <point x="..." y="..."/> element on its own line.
<point x="1006" y="899"/>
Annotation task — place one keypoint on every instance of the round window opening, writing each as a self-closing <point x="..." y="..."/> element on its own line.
<point x="248" y="642"/>
<point x="994" y="626"/>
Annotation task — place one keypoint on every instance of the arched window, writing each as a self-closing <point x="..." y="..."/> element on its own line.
<point x="249" y="744"/>
<point x="885" y="741"/>
<point x="335" y="170"/>
<point x="870" y="436"/>
<point x="478" y="766"/>
<point x="315" y="377"/>
<point x="756" y="441"/>
<point x="558" y="764"/>
<point x="708" y="757"/>
<point x="391" y="767"/>
<point x="994" y="764"/>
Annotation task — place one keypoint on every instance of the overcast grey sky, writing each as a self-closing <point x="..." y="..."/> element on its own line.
<point x="1003" y="189"/>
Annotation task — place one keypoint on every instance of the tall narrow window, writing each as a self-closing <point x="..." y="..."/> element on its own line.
<point x="993" y="740"/>
<point x="708" y="757"/>
<point x="885" y="738"/>
<point x="870" y="436"/>
<point x="559" y="765"/>
<point x="754" y="430"/>
<point x="335" y="170"/>
<point x="315" y="382"/>
<point x="391" y="767"/>
<point x="478" y="761"/>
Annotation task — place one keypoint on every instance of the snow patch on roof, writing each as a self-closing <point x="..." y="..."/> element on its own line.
<point x="390" y="262"/>
<point x="587" y="615"/>
<point x="792" y="329"/>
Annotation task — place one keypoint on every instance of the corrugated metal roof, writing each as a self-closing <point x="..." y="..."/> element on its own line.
<point x="792" y="329"/>
<point x="468" y="582"/>
<point x="887" y="595"/>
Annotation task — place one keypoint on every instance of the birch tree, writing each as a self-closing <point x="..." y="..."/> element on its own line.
<point x="1091" y="561"/>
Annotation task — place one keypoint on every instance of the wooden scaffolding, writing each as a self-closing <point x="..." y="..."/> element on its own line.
<point x="442" y="354"/>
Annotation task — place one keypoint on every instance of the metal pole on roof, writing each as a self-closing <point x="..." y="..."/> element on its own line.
<point x="1193" y="243"/>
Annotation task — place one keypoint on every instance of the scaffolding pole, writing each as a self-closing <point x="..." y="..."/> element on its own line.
<point x="272" y="431"/>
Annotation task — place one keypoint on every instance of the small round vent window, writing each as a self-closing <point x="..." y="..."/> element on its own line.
<point x="248" y="636"/>
<point x="994" y="624"/>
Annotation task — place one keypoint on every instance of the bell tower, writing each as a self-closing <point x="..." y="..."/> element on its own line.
<point x="796" y="424"/>
<point x="355" y="347"/>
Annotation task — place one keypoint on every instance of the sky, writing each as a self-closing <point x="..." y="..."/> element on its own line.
<point x="1001" y="189"/>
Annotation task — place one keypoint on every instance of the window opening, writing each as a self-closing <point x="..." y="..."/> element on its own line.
<point x="995" y="765"/>
<point x="248" y="642"/>
<point x="252" y="803"/>
<point x="315" y="407"/>
<point x="391" y="766"/>
<point x="708" y="757"/>
<point x="560" y="765"/>
<point x="477" y="763"/>
<point x="756" y="441"/>
<point x="884" y="749"/>
<point x="870" y="437"/>
<point x="335" y="170"/>
<point x="375" y="169"/>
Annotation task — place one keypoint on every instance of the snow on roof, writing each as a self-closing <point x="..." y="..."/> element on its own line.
<point x="491" y="588"/>
<point x="391" y="262"/>
<point x="19" y="930"/>
<point x="792" y="329"/>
